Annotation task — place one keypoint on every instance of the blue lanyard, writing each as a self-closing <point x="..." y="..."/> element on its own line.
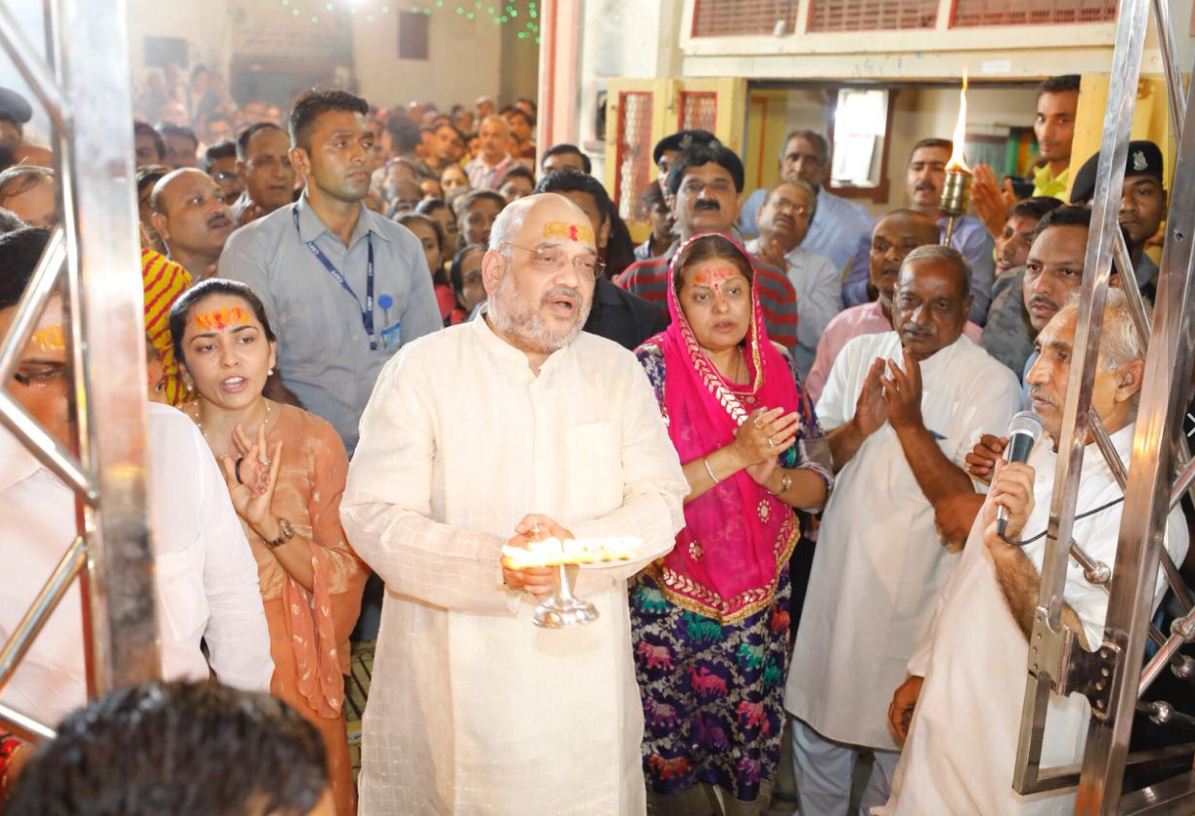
<point x="367" y="309"/>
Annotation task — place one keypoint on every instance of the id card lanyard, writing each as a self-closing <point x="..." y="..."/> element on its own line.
<point x="367" y="308"/>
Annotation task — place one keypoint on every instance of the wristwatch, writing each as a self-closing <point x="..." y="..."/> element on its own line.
<point x="285" y="533"/>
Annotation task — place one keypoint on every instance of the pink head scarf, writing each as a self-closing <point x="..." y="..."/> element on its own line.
<point x="737" y="534"/>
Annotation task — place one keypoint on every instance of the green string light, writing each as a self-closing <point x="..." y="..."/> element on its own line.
<point x="499" y="14"/>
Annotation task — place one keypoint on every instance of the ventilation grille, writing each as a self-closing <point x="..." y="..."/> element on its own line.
<point x="698" y="109"/>
<point x="634" y="167"/>
<point x="721" y="18"/>
<point x="871" y="15"/>
<point x="971" y="13"/>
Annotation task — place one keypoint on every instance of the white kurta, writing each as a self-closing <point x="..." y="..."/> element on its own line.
<point x="473" y="709"/>
<point x="879" y="562"/>
<point x="204" y="571"/>
<point x="962" y="744"/>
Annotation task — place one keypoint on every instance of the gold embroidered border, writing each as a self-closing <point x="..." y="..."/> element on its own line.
<point x="710" y="605"/>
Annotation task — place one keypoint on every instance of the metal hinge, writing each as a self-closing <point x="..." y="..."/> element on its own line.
<point x="1057" y="655"/>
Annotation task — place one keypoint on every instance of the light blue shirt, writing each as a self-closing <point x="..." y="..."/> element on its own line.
<point x="837" y="227"/>
<point x="970" y="238"/>
<point x="324" y="353"/>
<point x="819" y="299"/>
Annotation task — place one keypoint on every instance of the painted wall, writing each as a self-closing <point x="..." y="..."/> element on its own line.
<point x="467" y="59"/>
<point x="205" y="26"/>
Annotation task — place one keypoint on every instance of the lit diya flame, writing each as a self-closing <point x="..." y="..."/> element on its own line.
<point x="957" y="163"/>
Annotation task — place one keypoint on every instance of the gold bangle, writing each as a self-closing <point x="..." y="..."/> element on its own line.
<point x="706" y="461"/>
<point x="786" y="482"/>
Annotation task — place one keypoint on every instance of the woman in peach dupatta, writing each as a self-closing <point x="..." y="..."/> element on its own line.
<point x="285" y="470"/>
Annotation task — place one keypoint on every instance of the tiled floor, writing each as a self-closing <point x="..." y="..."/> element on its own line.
<point x="356" y="689"/>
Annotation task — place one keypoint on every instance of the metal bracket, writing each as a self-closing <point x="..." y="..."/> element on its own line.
<point x="1057" y="657"/>
<point x="1090" y="674"/>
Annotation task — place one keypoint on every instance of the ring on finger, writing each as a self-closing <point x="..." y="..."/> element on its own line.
<point x="771" y="444"/>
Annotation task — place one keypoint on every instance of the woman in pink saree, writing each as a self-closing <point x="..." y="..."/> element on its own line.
<point x="710" y="620"/>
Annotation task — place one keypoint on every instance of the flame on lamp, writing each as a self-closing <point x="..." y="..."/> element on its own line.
<point x="957" y="161"/>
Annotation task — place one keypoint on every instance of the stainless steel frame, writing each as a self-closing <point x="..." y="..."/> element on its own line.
<point x="86" y="92"/>
<point x="1111" y="676"/>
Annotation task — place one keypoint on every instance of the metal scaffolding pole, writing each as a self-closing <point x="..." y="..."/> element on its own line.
<point x="85" y="89"/>
<point x="1111" y="677"/>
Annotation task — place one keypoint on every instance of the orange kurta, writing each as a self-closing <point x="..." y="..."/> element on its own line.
<point x="309" y="631"/>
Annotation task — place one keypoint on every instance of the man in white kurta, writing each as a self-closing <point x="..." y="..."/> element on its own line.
<point x="879" y="562"/>
<point x="204" y="572"/>
<point x="473" y="709"/>
<point x="962" y="743"/>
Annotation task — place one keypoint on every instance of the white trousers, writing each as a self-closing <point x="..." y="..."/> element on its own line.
<point x="824" y="770"/>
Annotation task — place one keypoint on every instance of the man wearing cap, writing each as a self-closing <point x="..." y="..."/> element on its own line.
<point x="838" y="226"/>
<point x="706" y="185"/>
<point x="1142" y="204"/>
<point x="14" y="113"/>
<point x="668" y="150"/>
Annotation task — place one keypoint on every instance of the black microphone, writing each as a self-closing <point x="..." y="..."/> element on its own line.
<point x="1023" y="432"/>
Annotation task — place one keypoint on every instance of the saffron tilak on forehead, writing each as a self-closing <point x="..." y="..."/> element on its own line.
<point x="50" y="338"/>
<point x="716" y="277"/>
<point x="573" y="232"/>
<point x="221" y="319"/>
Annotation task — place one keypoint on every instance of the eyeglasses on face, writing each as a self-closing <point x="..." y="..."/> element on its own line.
<point x="39" y="376"/>
<point x="552" y="259"/>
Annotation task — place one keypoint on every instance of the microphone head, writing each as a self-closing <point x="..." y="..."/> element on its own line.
<point x="1028" y="423"/>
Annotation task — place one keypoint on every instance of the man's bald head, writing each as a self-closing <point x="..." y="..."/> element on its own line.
<point x="176" y="182"/>
<point x="188" y="212"/>
<point x="916" y="223"/>
<point x="496" y="122"/>
<point x="534" y="219"/>
<point x="540" y="273"/>
<point x="896" y="235"/>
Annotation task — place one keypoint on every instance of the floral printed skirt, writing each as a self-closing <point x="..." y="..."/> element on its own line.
<point x="712" y="693"/>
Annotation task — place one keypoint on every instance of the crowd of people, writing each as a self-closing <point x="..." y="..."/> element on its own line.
<point x="387" y="342"/>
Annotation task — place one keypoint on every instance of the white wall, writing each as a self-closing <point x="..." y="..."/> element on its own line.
<point x="623" y="38"/>
<point x="466" y="56"/>
<point x="465" y="60"/>
<point x="205" y="26"/>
